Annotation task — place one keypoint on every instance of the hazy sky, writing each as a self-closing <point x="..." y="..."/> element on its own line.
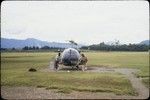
<point x="83" y="21"/>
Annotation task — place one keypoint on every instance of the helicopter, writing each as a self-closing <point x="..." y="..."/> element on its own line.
<point x="70" y="57"/>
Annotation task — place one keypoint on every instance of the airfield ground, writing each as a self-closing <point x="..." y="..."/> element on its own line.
<point x="116" y="73"/>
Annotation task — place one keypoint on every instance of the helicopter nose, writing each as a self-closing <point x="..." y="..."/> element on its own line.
<point x="70" y="59"/>
<point x="73" y="60"/>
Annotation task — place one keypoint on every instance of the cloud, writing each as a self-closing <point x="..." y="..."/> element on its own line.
<point x="90" y="22"/>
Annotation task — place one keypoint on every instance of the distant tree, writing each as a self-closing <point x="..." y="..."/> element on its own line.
<point x="45" y="47"/>
<point x="13" y="49"/>
<point x="29" y="48"/>
<point x="33" y="48"/>
<point x="117" y="47"/>
<point x="37" y="48"/>
<point x="3" y="49"/>
<point x="102" y="44"/>
<point x="25" y="48"/>
<point x="84" y="47"/>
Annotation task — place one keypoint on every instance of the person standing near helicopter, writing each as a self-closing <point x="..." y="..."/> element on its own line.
<point x="57" y="60"/>
<point x="83" y="61"/>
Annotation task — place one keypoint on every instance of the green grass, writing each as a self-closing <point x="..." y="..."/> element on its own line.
<point x="14" y="72"/>
<point x="16" y="61"/>
<point x="139" y="60"/>
<point x="66" y="82"/>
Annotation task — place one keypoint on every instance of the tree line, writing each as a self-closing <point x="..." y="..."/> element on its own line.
<point x="31" y="48"/>
<point x="99" y="47"/>
<point x="104" y="47"/>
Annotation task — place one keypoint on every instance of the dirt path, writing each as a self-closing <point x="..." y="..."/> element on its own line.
<point x="41" y="93"/>
<point x="136" y="82"/>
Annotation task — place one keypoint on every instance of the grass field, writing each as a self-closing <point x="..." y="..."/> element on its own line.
<point x="139" y="60"/>
<point x="14" y="72"/>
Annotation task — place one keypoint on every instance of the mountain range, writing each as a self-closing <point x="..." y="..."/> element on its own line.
<point x="16" y="43"/>
<point x="146" y="42"/>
